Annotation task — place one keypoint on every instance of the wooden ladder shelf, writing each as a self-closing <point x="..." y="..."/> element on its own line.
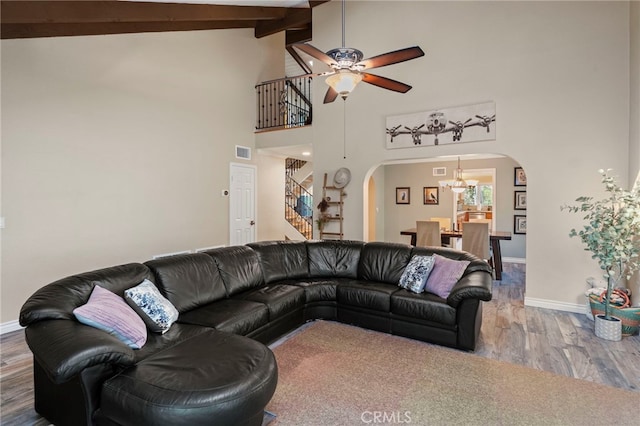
<point x="333" y="228"/>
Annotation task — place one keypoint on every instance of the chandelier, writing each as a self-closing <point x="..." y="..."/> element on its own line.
<point x="458" y="184"/>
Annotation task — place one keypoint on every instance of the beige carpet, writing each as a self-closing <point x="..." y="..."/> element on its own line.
<point x="335" y="374"/>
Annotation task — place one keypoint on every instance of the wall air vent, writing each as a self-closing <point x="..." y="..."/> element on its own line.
<point x="243" y="152"/>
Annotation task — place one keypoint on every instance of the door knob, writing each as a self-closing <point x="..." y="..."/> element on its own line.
<point x="253" y="222"/>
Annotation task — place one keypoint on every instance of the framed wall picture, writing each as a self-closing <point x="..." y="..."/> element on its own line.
<point x="431" y="195"/>
<point x="519" y="224"/>
<point x="403" y="195"/>
<point x="520" y="200"/>
<point x="520" y="178"/>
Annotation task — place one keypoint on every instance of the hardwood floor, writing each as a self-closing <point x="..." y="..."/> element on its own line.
<point x="559" y="342"/>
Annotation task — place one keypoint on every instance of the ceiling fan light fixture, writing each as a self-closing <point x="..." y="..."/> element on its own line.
<point x="348" y="67"/>
<point x="344" y="81"/>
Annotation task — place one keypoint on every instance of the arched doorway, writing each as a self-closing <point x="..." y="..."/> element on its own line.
<point x="391" y="218"/>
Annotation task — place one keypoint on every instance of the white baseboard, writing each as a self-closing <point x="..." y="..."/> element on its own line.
<point x="10" y="326"/>
<point x="576" y="308"/>
<point x="175" y="253"/>
<point x="514" y="260"/>
<point x="200" y="250"/>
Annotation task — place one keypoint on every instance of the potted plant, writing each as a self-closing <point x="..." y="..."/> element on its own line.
<point x="612" y="226"/>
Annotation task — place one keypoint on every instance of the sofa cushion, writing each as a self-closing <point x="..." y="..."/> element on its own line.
<point x="154" y="309"/>
<point x="188" y="280"/>
<point x="231" y="315"/>
<point x="321" y="289"/>
<point x="282" y="259"/>
<point x="334" y="258"/>
<point x="416" y="273"/>
<point x="177" y="333"/>
<point x="58" y="299"/>
<point x="423" y="306"/>
<point x="366" y="294"/>
<point x="281" y="299"/>
<point x="211" y="378"/>
<point x="239" y="267"/>
<point x="446" y="273"/>
<point x="383" y="262"/>
<point x="109" y="312"/>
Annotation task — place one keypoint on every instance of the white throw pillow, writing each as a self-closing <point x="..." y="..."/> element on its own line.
<point x="416" y="273"/>
<point x="154" y="309"/>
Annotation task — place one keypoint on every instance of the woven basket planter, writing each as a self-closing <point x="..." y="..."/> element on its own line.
<point x="630" y="317"/>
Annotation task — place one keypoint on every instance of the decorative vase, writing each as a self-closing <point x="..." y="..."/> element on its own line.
<point x="588" y="311"/>
<point x="608" y="329"/>
<point x="630" y="317"/>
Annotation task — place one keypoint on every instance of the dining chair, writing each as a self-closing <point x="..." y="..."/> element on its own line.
<point x="482" y="221"/>
<point x="475" y="239"/>
<point x="445" y="222"/>
<point x="428" y="233"/>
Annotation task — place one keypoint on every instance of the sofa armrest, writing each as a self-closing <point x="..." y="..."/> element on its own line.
<point x="476" y="285"/>
<point x="63" y="348"/>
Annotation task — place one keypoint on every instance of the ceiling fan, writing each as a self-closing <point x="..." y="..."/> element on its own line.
<point x="347" y="67"/>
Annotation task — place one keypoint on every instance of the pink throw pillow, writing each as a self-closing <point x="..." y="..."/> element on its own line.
<point x="109" y="312"/>
<point x="445" y="274"/>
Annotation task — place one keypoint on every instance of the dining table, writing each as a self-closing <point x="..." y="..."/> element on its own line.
<point x="494" y="238"/>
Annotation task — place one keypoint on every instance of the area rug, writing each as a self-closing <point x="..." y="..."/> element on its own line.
<point x="336" y="374"/>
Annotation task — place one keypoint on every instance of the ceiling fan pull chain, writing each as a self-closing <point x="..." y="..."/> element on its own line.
<point x="344" y="129"/>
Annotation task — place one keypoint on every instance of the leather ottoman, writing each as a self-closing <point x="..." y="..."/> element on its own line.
<point x="212" y="378"/>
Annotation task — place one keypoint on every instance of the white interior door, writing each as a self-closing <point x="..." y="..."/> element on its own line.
<point x="242" y="204"/>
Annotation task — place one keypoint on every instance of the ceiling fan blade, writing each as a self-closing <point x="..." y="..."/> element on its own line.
<point x="385" y="83"/>
<point x="316" y="53"/>
<point x="391" y="58"/>
<point x="330" y="96"/>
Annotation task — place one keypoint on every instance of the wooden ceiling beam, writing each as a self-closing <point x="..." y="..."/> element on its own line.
<point x="298" y="36"/>
<point x="16" y="31"/>
<point x="295" y="18"/>
<point x="306" y="69"/>
<point x="55" y="18"/>
<point x="35" y="12"/>
<point x="313" y="3"/>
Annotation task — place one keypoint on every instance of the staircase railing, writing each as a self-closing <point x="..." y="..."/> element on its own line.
<point x="284" y="103"/>
<point x="292" y="165"/>
<point x="298" y="209"/>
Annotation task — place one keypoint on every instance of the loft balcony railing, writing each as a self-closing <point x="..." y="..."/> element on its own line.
<point x="284" y="103"/>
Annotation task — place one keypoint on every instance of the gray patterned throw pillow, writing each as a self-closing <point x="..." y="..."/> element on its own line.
<point x="416" y="273"/>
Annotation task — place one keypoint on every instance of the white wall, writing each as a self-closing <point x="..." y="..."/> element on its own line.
<point x="634" y="127"/>
<point x="271" y="223"/>
<point x="379" y="176"/>
<point x="559" y="74"/>
<point x="116" y="148"/>
<point x="634" y="123"/>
